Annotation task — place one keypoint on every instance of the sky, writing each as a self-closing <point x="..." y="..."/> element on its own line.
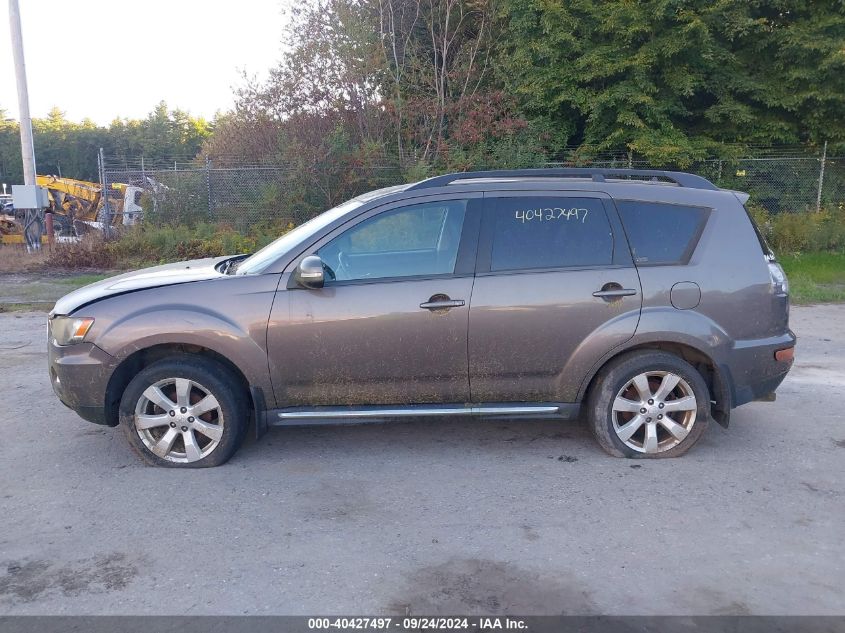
<point x="103" y="59"/>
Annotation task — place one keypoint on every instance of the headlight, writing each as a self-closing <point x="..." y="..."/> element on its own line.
<point x="69" y="330"/>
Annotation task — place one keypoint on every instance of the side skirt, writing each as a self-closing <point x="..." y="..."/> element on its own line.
<point x="301" y="416"/>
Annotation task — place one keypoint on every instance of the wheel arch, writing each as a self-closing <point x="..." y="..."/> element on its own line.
<point x="716" y="375"/>
<point x="137" y="360"/>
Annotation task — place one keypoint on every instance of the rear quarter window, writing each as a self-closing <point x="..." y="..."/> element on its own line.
<point x="661" y="233"/>
<point x="768" y="253"/>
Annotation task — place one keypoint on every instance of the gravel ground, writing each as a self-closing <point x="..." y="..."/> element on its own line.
<point x="444" y="516"/>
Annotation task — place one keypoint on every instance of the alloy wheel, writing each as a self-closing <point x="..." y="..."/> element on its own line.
<point x="179" y="420"/>
<point x="654" y="411"/>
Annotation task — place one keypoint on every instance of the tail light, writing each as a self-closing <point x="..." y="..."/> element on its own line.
<point x="780" y="283"/>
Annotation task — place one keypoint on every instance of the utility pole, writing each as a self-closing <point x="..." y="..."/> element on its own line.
<point x="29" y="197"/>
<point x="105" y="213"/>
<point x="27" y="149"/>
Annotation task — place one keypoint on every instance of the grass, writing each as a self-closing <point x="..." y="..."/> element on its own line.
<point x="815" y="277"/>
<point x="40" y="306"/>
<point x="77" y="281"/>
<point x="23" y="292"/>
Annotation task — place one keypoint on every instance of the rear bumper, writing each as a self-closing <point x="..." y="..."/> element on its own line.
<point x="79" y="375"/>
<point x="759" y="390"/>
<point x="753" y="370"/>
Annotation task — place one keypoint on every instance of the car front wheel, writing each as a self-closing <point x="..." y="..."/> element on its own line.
<point x="648" y="404"/>
<point x="185" y="412"/>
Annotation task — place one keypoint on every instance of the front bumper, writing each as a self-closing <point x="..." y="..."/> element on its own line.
<point x="79" y="375"/>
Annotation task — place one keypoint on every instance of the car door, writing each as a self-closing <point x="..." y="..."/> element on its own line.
<point x="555" y="290"/>
<point x="390" y="324"/>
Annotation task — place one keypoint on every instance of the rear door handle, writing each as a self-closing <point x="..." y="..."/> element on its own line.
<point x="614" y="293"/>
<point x="443" y="304"/>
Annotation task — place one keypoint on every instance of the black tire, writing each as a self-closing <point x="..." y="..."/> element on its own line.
<point x="618" y="373"/>
<point x="216" y="379"/>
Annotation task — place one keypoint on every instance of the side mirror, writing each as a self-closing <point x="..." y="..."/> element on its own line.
<point x="310" y="272"/>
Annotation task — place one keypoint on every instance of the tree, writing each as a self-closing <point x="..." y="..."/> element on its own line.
<point x="436" y="55"/>
<point x="675" y="80"/>
<point x="70" y="149"/>
<point x="801" y="53"/>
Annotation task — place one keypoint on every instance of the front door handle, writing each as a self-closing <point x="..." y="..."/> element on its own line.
<point x="614" y="293"/>
<point x="436" y="303"/>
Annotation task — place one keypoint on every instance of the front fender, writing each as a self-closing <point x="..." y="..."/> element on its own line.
<point x="227" y="316"/>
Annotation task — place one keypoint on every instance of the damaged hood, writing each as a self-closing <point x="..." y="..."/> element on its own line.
<point x="157" y="276"/>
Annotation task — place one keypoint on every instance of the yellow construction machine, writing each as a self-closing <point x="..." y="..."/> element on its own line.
<point x="77" y="204"/>
<point x="77" y="207"/>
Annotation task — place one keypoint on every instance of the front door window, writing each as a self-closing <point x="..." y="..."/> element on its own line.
<point x="416" y="241"/>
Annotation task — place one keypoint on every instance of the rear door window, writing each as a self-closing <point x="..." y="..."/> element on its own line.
<point x="661" y="233"/>
<point x="549" y="232"/>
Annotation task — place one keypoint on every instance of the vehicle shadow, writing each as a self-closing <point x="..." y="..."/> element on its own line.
<point x="441" y="440"/>
<point x="445" y="436"/>
<point x="453" y="437"/>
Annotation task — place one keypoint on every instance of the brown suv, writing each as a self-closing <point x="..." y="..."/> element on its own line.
<point x="646" y="301"/>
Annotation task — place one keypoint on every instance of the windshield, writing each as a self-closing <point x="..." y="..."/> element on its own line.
<point x="257" y="262"/>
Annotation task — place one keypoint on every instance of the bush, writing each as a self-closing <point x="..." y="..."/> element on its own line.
<point x="148" y="245"/>
<point x="806" y="232"/>
<point x="89" y="252"/>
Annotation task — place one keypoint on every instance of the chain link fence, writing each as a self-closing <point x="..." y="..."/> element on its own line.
<point x="239" y="195"/>
<point x="243" y="195"/>
<point x="786" y="184"/>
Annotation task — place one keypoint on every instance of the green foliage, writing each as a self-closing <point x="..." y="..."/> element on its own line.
<point x="796" y="233"/>
<point x="147" y="245"/>
<point x="184" y="203"/>
<point x="675" y="81"/>
<point x="327" y="165"/>
<point x="487" y="132"/>
<point x="418" y="171"/>
<point x="373" y="92"/>
<point x="70" y="149"/>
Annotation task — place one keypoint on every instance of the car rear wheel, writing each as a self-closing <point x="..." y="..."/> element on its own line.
<point x="184" y="412"/>
<point x="649" y="404"/>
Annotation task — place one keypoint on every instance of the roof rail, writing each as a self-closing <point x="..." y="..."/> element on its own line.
<point x="680" y="178"/>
